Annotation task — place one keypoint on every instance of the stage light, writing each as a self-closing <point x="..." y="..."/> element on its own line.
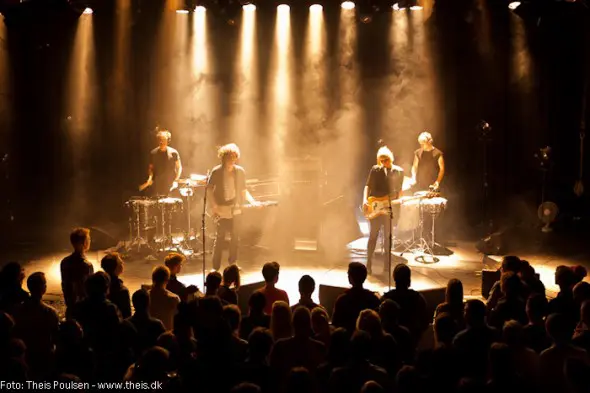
<point x="182" y="11"/>
<point x="88" y="11"/>
<point x="283" y="8"/>
<point x="347" y="5"/>
<point x="316" y="8"/>
<point x="249" y="7"/>
<point x="514" y="5"/>
<point x="200" y="9"/>
<point x="396" y="7"/>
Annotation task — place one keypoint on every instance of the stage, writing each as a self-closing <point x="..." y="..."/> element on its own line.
<point x="464" y="263"/>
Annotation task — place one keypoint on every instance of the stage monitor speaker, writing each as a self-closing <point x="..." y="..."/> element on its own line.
<point x="244" y="294"/>
<point x="488" y="278"/>
<point x="493" y="244"/>
<point x="328" y="296"/>
<point x="433" y="297"/>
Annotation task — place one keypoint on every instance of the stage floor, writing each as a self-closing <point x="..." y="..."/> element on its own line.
<point x="464" y="263"/>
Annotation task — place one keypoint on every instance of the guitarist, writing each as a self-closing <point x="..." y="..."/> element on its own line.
<point x="227" y="192"/>
<point x="385" y="179"/>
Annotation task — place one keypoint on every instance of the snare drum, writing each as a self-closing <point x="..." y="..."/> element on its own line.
<point x="141" y="202"/>
<point x="170" y="204"/>
<point x="434" y="206"/>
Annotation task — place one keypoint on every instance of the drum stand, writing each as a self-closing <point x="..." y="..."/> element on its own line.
<point x="138" y="244"/>
<point x="421" y="245"/>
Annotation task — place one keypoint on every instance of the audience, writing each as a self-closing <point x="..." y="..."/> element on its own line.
<point x="320" y="323"/>
<point x="510" y="263"/>
<point x="581" y="337"/>
<point x="193" y="343"/>
<point x="270" y="272"/>
<point x="526" y="360"/>
<point x="358" y="370"/>
<point x="97" y="315"/>
<point x="174" y="262"/>
<point x="354" y="300"/>
<point x="453" y="305"/>
<point x="552" y="361"/>
<point x="510" y="305"/>
<point x="281" y="321"/>
<point x="306" y="289"/>
<point x="12" y="294"/>
<point x="112" y="264"/>
<point x="534" y="333"/>
<point x="412" y="304"/>
<point x="147" y="328"/>
<point x="384" y="351"/>
<point x="473" y="343"/>
<point x="228" y="291"/>
<point x="212" y="285"/>
<point x="162" y="303"/>
<point x="75" y="268"/>
<point x="256" y="316"/>
<point x="300" y="350"/>
<point x="566" y="278"/>
<point x="389" y="313"/>
<point x="37" y="325"/>
<point x="239" y="347"/>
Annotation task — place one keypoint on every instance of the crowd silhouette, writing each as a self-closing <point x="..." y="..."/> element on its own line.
<point x="187" y="339"/>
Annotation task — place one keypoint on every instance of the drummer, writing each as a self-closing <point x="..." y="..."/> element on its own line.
<point x="428" y="168"/>
<point x="165" y="167"/>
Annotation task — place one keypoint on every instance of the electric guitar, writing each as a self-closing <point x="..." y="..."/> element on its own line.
<point x="377" y="206"/>
<point x="230" y="211"/>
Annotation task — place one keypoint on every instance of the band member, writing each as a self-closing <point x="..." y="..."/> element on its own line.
<point x="227" y="193"/>
<point x="165" y="167"/>
<point x="428" y="168"/>
<point x="385" y="179"/>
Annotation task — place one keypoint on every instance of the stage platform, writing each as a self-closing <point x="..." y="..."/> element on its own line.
<point x="464" y="263"/>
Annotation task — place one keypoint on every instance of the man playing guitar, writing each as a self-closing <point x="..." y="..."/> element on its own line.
<point x="384" y="181"/>
<point x="227" y="192"/>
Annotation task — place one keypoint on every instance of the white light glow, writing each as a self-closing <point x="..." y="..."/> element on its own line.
<point x="396" y="7"/>
<point x="200" y="9"/>
<point x="283" y="8"/>
<point x="249" y="7"/>
<point x="514" y="5"/>
<point x="416" y="8"/>
<point x="348" y="5"/>
<point x="316" y="8"/>
<point x="181" y="11"/>
<point x="88" y="11"/>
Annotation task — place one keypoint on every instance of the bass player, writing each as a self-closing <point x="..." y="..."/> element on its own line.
<point x="384" y="180"/>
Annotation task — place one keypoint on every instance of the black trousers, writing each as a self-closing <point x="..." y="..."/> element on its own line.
<point x="226" y="228"/>
<point x="376" y="224"/>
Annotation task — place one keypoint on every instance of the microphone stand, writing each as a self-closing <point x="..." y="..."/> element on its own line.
<point x="203" y="230"/>
<point x="389" y="248"/>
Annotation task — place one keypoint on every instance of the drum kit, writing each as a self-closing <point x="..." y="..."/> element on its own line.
<point x="155" y="223"/>
<point x="413" y="216"/>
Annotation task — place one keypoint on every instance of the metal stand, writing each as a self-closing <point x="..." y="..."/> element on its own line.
<point x="203" y="227"/>
<point x="137" y="243"/>
<point x="390" y="242"/>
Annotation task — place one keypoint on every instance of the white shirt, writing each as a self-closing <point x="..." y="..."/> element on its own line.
<point x="229" y="185"/>
<point x="163" y="306"/>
